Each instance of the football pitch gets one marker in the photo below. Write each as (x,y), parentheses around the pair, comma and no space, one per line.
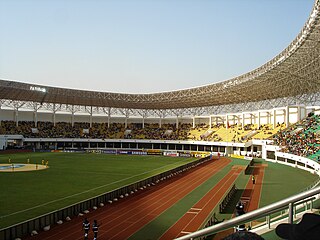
(70,178)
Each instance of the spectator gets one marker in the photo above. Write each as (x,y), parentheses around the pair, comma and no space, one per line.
(308,228)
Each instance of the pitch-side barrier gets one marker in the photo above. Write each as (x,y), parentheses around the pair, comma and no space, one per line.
(288,203)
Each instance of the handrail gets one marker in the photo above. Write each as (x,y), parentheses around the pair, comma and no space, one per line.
(258,213)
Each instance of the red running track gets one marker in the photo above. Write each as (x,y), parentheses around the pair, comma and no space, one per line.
(197,216)
(121,220)
(256,188)
(250,196)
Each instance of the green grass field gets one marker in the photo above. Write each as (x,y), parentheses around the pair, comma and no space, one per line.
(70,178)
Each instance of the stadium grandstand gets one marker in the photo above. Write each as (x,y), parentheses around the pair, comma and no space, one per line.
(271,112)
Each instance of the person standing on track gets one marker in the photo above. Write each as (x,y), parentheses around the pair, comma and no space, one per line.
(86,227)
(253,179)
(95,229)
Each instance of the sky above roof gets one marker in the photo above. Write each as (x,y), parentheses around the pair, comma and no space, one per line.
(140,46)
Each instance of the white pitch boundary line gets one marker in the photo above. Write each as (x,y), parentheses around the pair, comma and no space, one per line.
(77,194)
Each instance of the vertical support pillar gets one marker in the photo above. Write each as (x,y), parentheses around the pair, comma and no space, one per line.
(54,119)
(35,118)
(274,118)
(90,117)
(287,115)
(227,122)
(193,122)
(177,122)
(259,119)
(54,114)
(143,122)
(109,116)
(210,122)
(243,120)
(298,113)
(72,118)
(35,114)
(160,122)
(15,116)
(303,112)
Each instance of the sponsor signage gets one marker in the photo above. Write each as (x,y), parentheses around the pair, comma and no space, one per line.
(185,155)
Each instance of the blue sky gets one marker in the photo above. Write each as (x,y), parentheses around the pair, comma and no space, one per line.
(139,46)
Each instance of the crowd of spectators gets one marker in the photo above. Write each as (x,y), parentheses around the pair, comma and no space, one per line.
(167,131)
(302,138)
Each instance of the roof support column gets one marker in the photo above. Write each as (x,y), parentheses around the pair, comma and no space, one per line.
(144,115)
(54,118)
(35,118)
(286,115)
(177,122)
(210,122)
(227,121)
(54,110)
(193,122)
(15,116)
(36,107)
(268,117)
(274,118)
(303,112)
(126,113)
(109,116)
(72,119)
(108,112)
(259,119)
(243,120)
(90,119)
(16,106)
(73,111)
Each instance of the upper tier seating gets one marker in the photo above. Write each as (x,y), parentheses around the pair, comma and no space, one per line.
(302,138)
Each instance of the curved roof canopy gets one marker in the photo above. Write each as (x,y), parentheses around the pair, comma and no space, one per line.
(295,71)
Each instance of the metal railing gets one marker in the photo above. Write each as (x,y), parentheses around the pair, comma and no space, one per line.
(287,203)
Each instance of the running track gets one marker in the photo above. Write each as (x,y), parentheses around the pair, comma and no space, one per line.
(196,217)
(122,219)
(250,196)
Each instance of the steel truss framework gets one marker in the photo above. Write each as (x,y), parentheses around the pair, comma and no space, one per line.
(292,77)
(305,99)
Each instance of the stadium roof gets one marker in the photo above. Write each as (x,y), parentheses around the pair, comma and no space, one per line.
(295,71)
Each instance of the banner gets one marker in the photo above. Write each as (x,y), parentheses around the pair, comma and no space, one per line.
(171,154)
(185,155)
(154,152)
